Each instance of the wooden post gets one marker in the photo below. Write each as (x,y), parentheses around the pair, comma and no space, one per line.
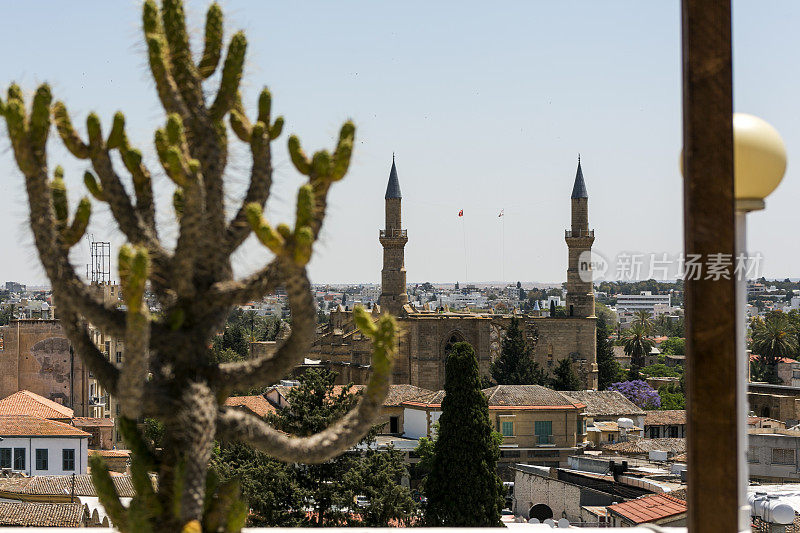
(708,214)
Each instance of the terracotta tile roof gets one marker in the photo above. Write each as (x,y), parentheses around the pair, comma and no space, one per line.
(644,446)
(649,508)
(665,418)
(754,357)
(33,426)
(60,485)
(680,458)
(258,405)
(27,403)
(605,403)
(502,397)
(86,422)
(406,393)
(529,396)
(27,514)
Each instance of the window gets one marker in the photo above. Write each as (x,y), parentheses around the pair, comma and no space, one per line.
(581,430)
(543,429)
(783,456)
(673,432)
(394,424)
(19,458)
(41,459)
(119,356)
(752,456)
(654,432)
(507,428)
(513,454)
(5,457)
(67,459)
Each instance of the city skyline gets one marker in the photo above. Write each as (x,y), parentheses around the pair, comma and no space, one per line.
(484,113)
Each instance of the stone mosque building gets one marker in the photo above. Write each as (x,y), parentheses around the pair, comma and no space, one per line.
(426,335)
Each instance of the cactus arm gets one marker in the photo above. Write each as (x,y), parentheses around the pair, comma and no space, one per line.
(74,232)
(213,42)
(342,435)
(240,124)
(253,287)
(140,175)
(231,77)
(184,71)
(191,232)
(157,55)
(67,132)
(39,122)
(257,192)
(134,269)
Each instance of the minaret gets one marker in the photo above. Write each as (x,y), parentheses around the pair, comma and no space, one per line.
(580,290)
(393,239)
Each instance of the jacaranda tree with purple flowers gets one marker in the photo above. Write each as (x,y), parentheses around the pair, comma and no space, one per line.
(639,392)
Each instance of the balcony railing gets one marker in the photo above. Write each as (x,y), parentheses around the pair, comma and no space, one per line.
(394,233)
(579,233)
(544,440)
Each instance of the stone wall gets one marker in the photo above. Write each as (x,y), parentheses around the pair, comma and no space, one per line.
(36,357)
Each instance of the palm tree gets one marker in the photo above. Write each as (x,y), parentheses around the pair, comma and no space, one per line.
(642,317)
(773,337)
(636,344)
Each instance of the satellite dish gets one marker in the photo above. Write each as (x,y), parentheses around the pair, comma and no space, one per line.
(534,521)
(563,523)
(550,522)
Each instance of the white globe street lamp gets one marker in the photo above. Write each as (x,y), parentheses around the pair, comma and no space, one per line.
(759,156)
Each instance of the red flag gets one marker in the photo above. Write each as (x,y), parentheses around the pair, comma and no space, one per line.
(461,213)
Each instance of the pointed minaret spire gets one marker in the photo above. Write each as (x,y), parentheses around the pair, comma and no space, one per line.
(579,189)
(393,188)
(393,238)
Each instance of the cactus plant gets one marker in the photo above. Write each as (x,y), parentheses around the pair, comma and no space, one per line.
(168,372)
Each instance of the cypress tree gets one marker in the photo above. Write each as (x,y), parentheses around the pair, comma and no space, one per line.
(463,488)
(608,370)
(565,378)
(515,366)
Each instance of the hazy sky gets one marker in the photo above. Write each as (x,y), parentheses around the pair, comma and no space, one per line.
(486,106)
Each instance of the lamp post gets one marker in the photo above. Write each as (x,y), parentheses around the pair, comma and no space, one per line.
(759,161)
(759,164)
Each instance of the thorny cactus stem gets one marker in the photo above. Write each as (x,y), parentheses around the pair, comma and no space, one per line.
(168,373)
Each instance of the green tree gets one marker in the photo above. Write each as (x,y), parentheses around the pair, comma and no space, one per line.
(377,476)
(463,488)
(515,366)
(643,318)
(672,397)
(608,369)
(637,346)
(267,485)
(564,377)
(773,337)
(673,346)
(328,489)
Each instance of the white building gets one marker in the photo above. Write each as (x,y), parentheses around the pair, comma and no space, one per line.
(40,447)
(644,300)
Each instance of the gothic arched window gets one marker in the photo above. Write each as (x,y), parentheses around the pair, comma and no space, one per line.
(454,338)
